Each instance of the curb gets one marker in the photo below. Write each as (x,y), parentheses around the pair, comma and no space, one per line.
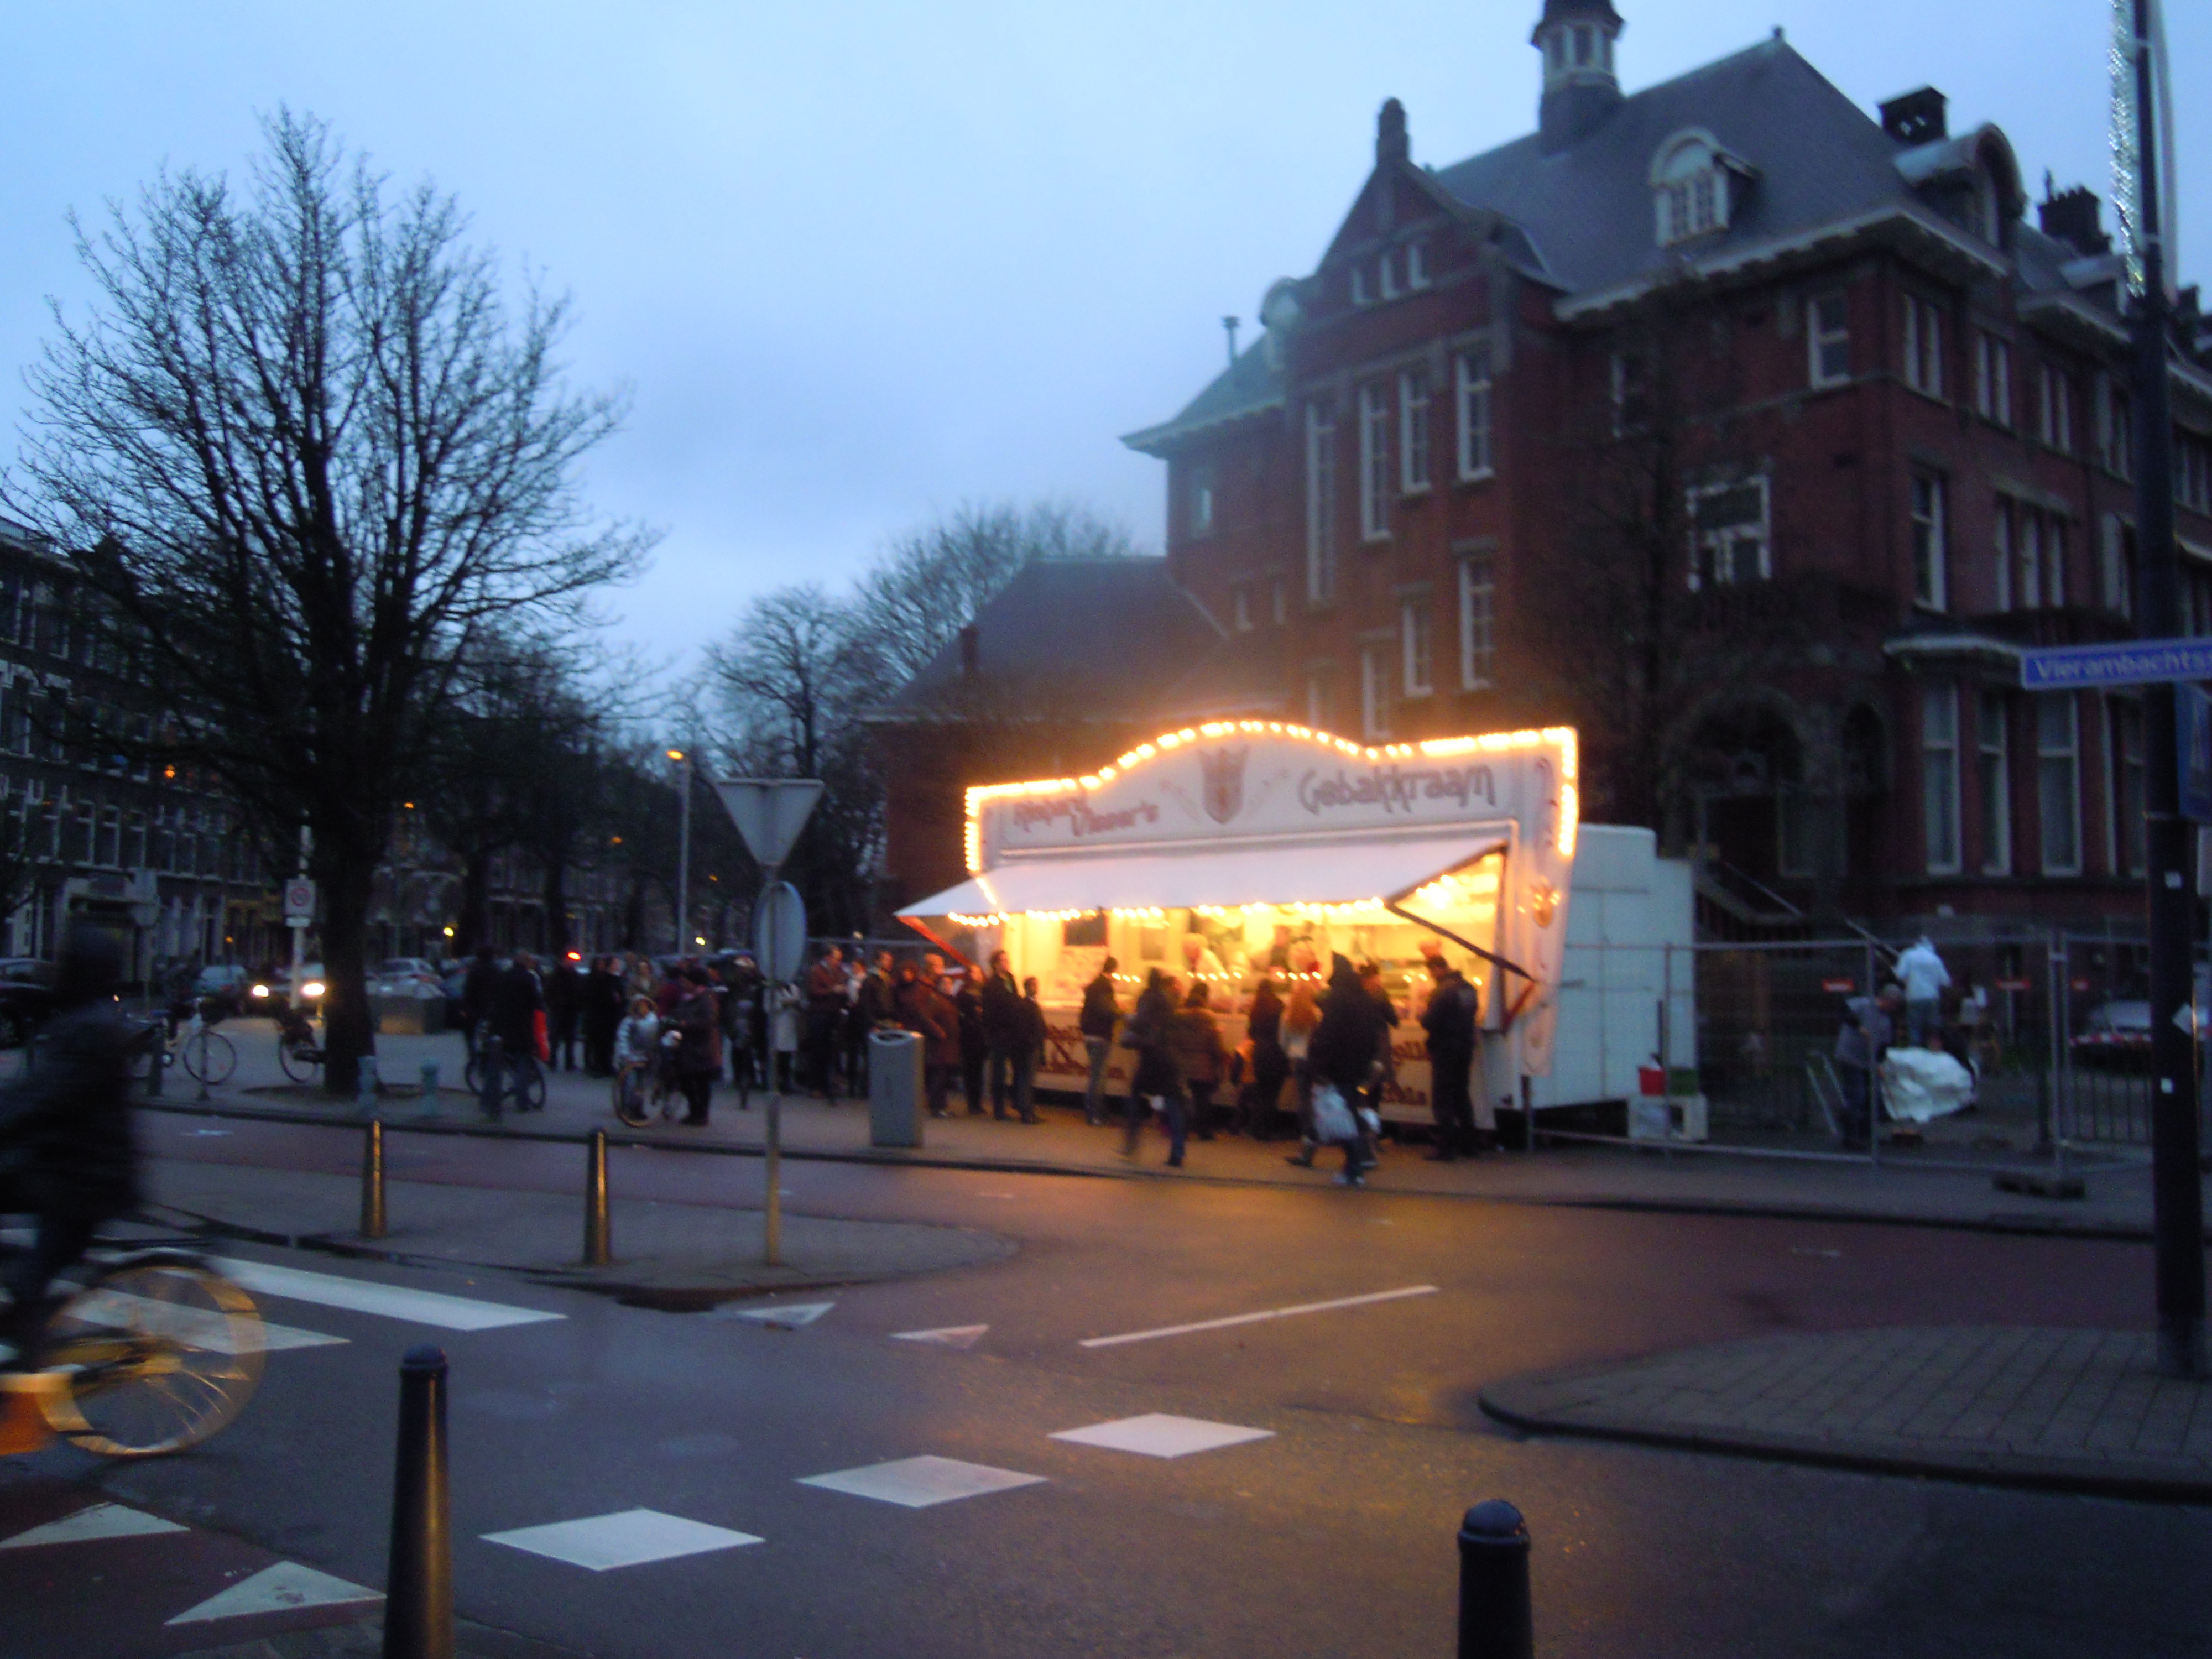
(2134,1483)
(2020,1226)
(665,1298)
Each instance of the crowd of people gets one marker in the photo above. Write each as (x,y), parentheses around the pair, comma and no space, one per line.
(675,1027)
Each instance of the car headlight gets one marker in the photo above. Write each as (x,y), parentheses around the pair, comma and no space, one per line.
(259,991)
(313,987)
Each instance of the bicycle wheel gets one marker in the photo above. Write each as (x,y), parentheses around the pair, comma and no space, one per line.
(299,1059)
(208,1057)
(163,1352)
(530,1096)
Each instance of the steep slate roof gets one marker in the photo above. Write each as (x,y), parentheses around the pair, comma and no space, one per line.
(1086,637)
(1588,208)
(1251,384)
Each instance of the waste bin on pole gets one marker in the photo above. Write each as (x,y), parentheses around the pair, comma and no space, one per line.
(894,1088)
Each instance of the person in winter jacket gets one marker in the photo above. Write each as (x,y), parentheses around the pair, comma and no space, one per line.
(1002,1021)
(1343,1053)
(1271,1063)
(1449,1021)
(1194,1036)
(974,1043)
(511,1020)
(1030,1034)
(924,1009)
(699,1059)
(1101,1015)
(1157,1080)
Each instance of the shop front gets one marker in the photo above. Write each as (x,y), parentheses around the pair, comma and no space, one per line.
(1235,849)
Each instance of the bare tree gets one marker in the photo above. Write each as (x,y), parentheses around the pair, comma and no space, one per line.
(307,454)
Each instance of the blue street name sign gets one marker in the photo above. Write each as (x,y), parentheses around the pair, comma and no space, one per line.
(2130,662)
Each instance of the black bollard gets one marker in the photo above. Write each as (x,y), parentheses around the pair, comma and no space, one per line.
(599,1244)
(1495,1621)
(418,1587)
(372,1181)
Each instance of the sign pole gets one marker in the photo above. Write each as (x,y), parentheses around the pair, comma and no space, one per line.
(2176,1190)
(772,1215)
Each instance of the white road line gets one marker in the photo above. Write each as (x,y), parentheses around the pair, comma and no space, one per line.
(1254,1318)
(451,1313)
(196,1328)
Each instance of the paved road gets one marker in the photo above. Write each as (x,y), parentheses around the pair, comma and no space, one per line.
(1330,1536)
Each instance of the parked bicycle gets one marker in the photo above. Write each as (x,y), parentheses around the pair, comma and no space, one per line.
(186,1036)
(144,1352)
(527,1092)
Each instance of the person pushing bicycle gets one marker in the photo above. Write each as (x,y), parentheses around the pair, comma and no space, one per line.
(67,1157)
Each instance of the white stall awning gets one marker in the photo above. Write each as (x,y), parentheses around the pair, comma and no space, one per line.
(1336,872)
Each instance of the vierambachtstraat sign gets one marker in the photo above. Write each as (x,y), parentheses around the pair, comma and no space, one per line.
(2128,662)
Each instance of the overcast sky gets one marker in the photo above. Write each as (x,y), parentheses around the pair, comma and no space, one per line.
(859,262)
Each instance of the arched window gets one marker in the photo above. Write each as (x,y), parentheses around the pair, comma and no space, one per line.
(1690,183)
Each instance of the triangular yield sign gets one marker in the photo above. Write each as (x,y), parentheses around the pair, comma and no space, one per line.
(100,1520)
(951,1336)
(281,1589)
(789,1317)
(769,812)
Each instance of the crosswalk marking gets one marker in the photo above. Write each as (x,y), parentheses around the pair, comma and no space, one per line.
(196,1328)
(1254,1318)
(917,1483)
(628,1539)
(1156,1434)
(948,1336)
(788,1316)
(87,1525)
(451,1313)
(283,1587)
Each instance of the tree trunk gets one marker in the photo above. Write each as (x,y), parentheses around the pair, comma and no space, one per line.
(472,927)
(349,1026)
(556,904)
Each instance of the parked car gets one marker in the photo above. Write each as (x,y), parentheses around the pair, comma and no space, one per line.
(227,985)
(405,977)
(2117,1033)
(24,1005)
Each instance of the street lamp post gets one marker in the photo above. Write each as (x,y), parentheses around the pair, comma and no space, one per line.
(683,759)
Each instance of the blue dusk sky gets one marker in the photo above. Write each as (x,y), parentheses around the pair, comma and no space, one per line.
(858,263)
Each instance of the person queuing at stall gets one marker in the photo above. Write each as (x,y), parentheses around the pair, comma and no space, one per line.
(1101,1014)
(1155,1081)
(1386,1049)
(922,1007)
(1029,1032)
(698,1059)
(601,1013)
(1001,1030)
(825,1001)
(1449,1020)
(1301,1015)
(1270,1062)
(974,1044)
(564,996)
(741,1029)
(1194,1040)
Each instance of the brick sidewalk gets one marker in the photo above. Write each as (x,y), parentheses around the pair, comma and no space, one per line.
(2066,1410)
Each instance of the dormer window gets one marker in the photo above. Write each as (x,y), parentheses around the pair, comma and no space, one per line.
(1690,182)
(1359,284)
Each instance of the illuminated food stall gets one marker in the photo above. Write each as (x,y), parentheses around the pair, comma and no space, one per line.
(1235,847)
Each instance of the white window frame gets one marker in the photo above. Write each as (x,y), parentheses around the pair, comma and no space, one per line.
(1690,191)
(1319,703)
(1993,377)
(1321,503)
(2057,758)
(1624,422)
(1939,778)
(1376,482)
(1386,268)
(1931,524)
(1478,624)
(1993,780)
(1414,431)
(1417,265)
(1417,637)
(1359,283)
(2055,409)
(2001,545)
(1201,498)
(1375,677)
(1474,403)
(1924,346)
(1723,542)
(1821,334)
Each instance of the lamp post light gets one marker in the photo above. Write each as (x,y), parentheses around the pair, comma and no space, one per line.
(683,759)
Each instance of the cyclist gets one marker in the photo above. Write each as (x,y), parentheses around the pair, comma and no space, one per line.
(66,1154)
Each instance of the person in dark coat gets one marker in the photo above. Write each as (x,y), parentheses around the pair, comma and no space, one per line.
(511,1024)
(600,1013)
(476,995)
(66,1155)
(1271,1063)
(745,1030)
(825,1004)
(1345,1046)
(925,1010)
(1194,1035)
(975,1045)
(1030,1034)
(1449,1021)
(564,997)
(1156,1080)
(1002,1023)
(1101,1015)
(699,1056)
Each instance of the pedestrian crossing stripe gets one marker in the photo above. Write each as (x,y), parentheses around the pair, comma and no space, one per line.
(284,1588)
(790,1317)
(87,1525)
(368,1296)
(949,1336)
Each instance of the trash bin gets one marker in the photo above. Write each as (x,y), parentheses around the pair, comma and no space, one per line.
(895,1098)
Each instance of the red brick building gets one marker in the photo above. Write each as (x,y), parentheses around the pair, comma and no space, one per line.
(1751,432)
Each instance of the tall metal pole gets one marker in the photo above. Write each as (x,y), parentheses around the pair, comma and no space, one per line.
(2177,1192)
(772,1163)
(300,934)
(683,756)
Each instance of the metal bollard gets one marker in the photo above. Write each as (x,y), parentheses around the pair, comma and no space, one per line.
(430,1082)
(372,1181)
(367,1078)
(1495,1620)
(599,1243)
(418,1605)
